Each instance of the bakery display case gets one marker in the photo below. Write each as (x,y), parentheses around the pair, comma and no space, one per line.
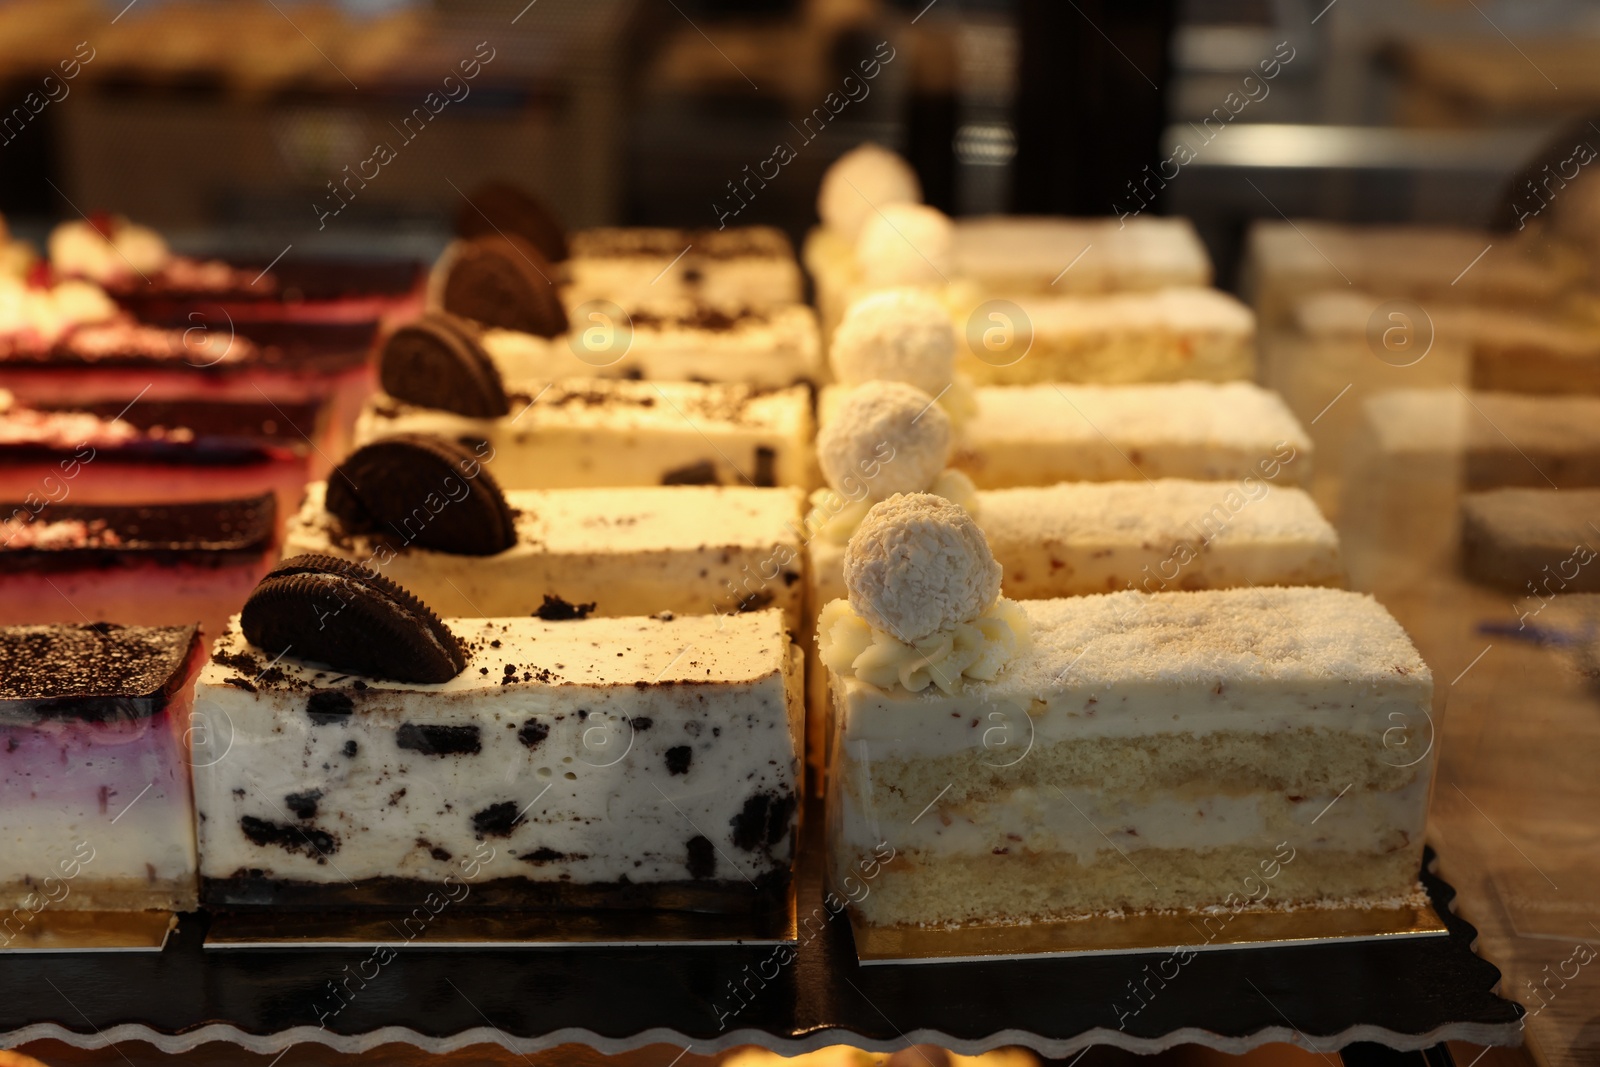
(846,532)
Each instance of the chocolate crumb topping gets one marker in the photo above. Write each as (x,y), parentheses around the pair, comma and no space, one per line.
(555,609)
(94,672)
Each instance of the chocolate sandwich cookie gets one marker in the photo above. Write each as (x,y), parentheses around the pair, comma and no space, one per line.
(500,207)
(437,362)
(348,616)
(425,491)
(504,281)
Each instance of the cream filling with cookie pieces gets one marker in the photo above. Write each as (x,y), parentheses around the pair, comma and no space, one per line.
(552,765)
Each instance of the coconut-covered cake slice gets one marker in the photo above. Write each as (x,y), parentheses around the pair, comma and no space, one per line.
(1052,759)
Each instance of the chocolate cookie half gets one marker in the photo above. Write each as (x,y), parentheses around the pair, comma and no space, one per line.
(500,207)
(504,281)
(437,362)
(424,491)
(350,617)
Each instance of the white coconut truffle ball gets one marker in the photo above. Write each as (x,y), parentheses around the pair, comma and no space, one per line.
(905,244)
(868,175)
(919,564)
(889,436)
(899,335)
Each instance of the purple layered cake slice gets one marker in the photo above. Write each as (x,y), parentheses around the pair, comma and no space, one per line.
(146,450)
(154,564)
(94,770)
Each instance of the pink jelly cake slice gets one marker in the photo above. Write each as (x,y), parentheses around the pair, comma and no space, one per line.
(94,771)
(146,451)
(151,564)
(210,358)
(134,265)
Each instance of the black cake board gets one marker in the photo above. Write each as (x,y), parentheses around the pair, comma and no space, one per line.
(1405,993)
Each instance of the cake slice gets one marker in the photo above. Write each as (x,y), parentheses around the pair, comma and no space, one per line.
(578,432)
(688,550)
(135,265)
(750,265)
(94,775)
(1044,434)
(1114,339)
(670,340)
(611,763)
(151,564)
(143,451)
(1056,759)
(1532,541)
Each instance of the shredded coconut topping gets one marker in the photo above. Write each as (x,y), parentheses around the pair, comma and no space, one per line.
(906,244)
(919,564)
(885,438)
(867,177)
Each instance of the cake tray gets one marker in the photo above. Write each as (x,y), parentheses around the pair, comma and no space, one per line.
(1404,992)
(1172,933)
(93,931)
(446,929)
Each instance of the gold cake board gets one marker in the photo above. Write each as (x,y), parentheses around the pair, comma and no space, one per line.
(92,931)
(531,929)
(1172,932)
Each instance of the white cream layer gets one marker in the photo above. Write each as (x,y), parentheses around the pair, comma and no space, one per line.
(1090,824)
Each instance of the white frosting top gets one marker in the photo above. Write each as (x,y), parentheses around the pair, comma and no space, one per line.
(899,335)
(906,244)
(888,437)
(45,314)
(918,565)
(79,249)
(866,177)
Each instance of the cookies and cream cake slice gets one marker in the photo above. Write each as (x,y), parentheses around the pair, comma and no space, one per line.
(431,517)
(577,432)
(377,751)
(94,769)
(753,266)
(1053,759)
(669,340)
